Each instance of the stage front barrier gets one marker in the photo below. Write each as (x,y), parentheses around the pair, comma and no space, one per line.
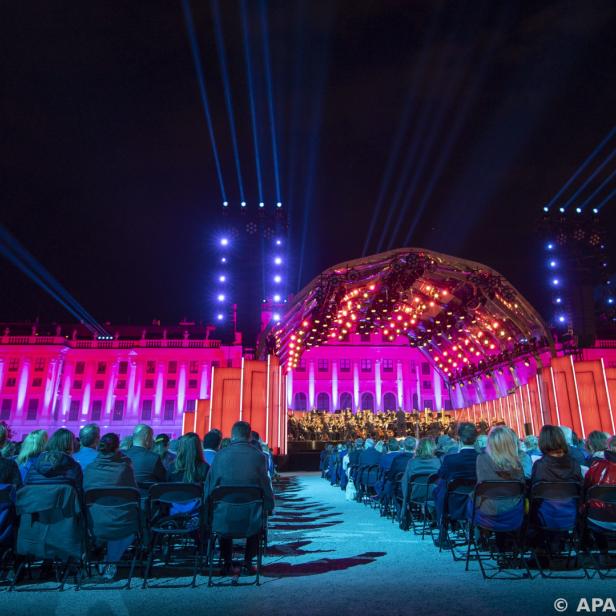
(578,394)
(254,393)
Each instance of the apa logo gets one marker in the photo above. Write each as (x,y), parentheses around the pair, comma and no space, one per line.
(597,604)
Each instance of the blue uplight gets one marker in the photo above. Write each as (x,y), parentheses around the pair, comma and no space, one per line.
(223,260)
(550,246)
(546,208)
(595,210)
(276,317)
(222,278)
(221,297)
(277,297)
(278,242)
(277,278)
(225,204)
(555,282)
(610,300)
(561,319)
(224,241)
(578,210)
(261,204)
(278,261)
(219,316)
(559,300)
(279,204)
(561,210)
(553,264)
(243,203)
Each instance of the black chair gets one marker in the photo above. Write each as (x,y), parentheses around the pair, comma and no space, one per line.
(419,489)
(391,497)
(175,518)
(554,525)
(51,530)
(451,527)
(8,529)
(113,514)
(600,529)
(368,476)
(496,524)
(236,512)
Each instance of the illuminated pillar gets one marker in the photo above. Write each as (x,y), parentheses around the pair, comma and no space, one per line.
(158,396)
(480,389)
(203,381)
(2,362)
(311,384)
(23,379)
(400,384)
(182,387)
(290,388)
(418,387)
(356,385)
(438,396)
(137,390)
(130,399)
(66,390)
(110,389)
(378,385)
(50,387)
(334,404)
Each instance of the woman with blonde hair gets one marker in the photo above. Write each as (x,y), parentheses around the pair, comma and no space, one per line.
(501,460)
(33,445)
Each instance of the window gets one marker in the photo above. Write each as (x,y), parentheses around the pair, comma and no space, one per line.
(171,383)
(118,410)
(146,410)
(427,385)
(150,367)
(101,367)
(11,381)
(322,365)
(345,365)
(172,367)
(169,410)
(123,369)
(99,384)
(73,411)
(80,367)
(5,409)
(301,367)
(13,364)
(192,383)
(388,365)
(300,401)
(428,404)
(367,402)
(425,367)
(191,405)
(389,402)
(39,364)
(366,366)
(121,384)
(77,385)
(346,400)
(193,367)
(447,405)
(364,337)
(32,409)
(97,408)
(149,383)
(37,382)
(323,402)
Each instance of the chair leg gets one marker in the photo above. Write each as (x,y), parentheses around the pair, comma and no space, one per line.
(259,560)
(210,557)
(471,539)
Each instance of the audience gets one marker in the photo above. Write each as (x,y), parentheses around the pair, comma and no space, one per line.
(89,437)
(425,463)
(147,465)
(556,464)
(596,444)
(211,444)
(31,448)
(573,450)
(189,465)
(602,472)
(161,448)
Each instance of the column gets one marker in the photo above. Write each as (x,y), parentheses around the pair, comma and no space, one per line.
(311,384)
(50,384)
(23,378)
(158,396)
(436,384)
(334,404)
(203,381)
(290,388)
(137,390)
(400,384)
(88,377)
(356,385)
(378,386)
(67,379)
(181,388)
(418,387)
(130,396)
(109,391)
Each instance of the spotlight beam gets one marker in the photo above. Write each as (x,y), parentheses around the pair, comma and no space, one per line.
(589,179)
(581,168)
(608,198)
(222,58)
(26,263)
(251,95)
(598,190)
(270,97)
(196,54)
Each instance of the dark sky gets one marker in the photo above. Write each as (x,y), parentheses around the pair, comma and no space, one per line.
(107,169)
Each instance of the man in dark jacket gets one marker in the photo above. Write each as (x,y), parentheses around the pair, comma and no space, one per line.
(9,472)
(147,465)
(240,464)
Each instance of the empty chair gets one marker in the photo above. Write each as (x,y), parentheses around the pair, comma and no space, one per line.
(600,526)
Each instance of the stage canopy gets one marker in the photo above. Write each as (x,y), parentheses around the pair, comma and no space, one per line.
(464,316)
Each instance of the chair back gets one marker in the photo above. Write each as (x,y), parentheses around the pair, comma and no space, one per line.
(236,511)
(174,500)
(498,505)
(112,513)
(8,517)
(554,504)
(419,485)
(601,508)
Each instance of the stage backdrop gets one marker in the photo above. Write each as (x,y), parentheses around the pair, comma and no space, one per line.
(254,393)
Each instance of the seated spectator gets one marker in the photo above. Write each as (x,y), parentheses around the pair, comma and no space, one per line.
(573,450)
(602,472)
(147,465)
(557,464)
(500,460)
(424,462)
(461,465)
(190,465)
(224,443)
(31,449)
(445,444)
(126,443)
(400,462)
(525,459)
(55,464)
(111,469)
(9,472)
(481,443)
(212,442)
(393,448)
(531,444)
(380,447)
(89,437)
(240,464)
(161,448)
(255,439)
(596,444)
(369,455)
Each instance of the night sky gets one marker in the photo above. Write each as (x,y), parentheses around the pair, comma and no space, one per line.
(108,177)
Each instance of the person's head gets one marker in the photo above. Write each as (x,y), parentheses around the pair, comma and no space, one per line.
(597,441)
(369,443)
(467,433)
(240,431)
(161,444)
(380,446)
(502,447)
(425,448)
(481,442)
(89,436)
(32,446)
(126,443)
(109,443)
(174,443)
(143,436)
(410,442)
(212,440)
(552,441)
(4,434)
(568,434)
(255,437)
(62,440)
(359,443)
(531,442)
(611,445)
(393,445)
(190,456)
(225,442)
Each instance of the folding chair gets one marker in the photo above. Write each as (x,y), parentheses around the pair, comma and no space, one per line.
(369,475)
(497,513)
(236,512)
(554,522)
(175,517)
(600,527)
(452,524)
(113,515)
(8,527)
(419,489)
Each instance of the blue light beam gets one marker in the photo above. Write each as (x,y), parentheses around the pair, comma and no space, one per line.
(598,190)
(589,179)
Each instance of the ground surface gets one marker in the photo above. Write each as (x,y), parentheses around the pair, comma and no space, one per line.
(329,556)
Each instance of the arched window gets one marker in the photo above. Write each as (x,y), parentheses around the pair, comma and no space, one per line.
(367,402)
(389,402)
(322,402)
(346,401)
(300,401)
